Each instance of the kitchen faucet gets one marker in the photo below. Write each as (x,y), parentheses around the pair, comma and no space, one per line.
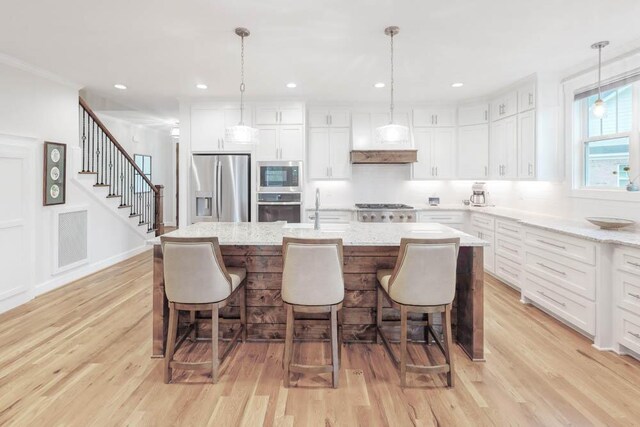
(316,224)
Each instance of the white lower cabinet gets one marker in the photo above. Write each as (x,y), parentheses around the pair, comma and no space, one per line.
(453,219)
(509,252)
(482,226)
(626,297)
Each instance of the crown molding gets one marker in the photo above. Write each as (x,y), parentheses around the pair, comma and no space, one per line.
(37,71)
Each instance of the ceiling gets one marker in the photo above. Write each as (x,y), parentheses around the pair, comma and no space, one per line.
(335,50)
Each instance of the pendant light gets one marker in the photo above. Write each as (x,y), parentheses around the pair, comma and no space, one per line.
(599,108)
(392,133)
(241,134)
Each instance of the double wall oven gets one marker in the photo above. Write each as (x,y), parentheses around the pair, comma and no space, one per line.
(280,191)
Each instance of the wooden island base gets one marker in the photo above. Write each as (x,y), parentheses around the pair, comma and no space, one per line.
(266,315)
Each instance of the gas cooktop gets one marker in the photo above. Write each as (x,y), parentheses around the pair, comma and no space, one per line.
(383,206)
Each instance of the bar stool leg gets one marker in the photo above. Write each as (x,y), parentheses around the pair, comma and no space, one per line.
(288,344)
(243,312)
(379,316)
(194,325)
(403,346)
(448,343)
(426,330)
(171,342)
(340,337)
(334,346)
(215,361)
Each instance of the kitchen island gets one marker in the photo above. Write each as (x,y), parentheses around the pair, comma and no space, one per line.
(367,248)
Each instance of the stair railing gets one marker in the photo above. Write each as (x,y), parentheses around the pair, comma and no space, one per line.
(104,157)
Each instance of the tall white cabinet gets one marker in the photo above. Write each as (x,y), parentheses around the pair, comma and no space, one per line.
(473,142)
(208,127)
(434,136)
(329,144)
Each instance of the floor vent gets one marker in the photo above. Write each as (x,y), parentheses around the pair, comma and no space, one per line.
(72,238)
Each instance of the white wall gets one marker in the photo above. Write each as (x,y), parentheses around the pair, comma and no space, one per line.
(34,109)
(153,142)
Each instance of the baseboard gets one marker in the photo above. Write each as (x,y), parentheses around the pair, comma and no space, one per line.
(87,269)
(15,301)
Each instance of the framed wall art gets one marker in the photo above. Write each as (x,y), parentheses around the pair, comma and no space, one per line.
(55,173)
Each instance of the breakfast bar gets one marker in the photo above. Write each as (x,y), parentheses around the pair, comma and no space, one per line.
(367,248)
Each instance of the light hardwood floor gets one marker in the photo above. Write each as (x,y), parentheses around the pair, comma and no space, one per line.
(81,356)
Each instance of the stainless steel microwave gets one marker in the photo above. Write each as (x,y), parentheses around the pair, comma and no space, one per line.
(280,177)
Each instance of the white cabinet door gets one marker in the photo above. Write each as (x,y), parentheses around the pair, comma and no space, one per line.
(364,127)
(527,144)
(267,115)
(267,146)
(318,153)
(291,114)
(232,118)
(340,153)
(473,152)
(527,97)
(473,114)
(504,106)
(443,153)
(361,130)
(503,146)
(291,142)
(423,138)
(339,118)
(318,118)
(434,117)
(207,130)
(496,143)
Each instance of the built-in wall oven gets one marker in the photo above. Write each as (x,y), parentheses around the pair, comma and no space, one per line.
(280,191)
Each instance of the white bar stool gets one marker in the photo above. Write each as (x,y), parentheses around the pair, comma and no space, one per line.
(312,282)
(423,281)
(196,279)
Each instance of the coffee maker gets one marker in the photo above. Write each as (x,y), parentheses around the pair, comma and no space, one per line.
(479,194)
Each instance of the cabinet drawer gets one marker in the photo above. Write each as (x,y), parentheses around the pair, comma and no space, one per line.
(509,248)
(509,228)
(627,291)
(578,311)
(627,259)
(564,273)
(442,217)
(570,247)
(508,270)
(331,216)
(628,327)
(482,221)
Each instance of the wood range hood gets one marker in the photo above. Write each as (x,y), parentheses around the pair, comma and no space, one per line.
(378,157)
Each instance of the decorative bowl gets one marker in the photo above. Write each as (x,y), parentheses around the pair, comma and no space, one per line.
(606,223)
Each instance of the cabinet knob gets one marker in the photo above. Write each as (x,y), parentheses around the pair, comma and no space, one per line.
(409,216)
(373,216)
(365,216)
(401,216)
(390,216)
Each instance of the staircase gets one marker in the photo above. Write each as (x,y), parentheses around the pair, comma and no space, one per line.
(117,175)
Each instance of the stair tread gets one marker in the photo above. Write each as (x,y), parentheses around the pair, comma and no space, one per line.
(134,215)
(151,230)
(143,223)
(87,173)
(124,206)
(100,185)
(113,196)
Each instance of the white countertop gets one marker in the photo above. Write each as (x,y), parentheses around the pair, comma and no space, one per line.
(352,234)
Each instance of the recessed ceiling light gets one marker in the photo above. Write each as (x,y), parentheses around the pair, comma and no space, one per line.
(379,85)
(292,85)
(120,86)
(201,86)
(457,85)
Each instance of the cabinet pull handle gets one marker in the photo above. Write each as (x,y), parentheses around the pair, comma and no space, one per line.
(486,172)
(551,299)
(635,264)
(634,334)
(441,217)
(436,166)
(530,169)
(530,99)
(513,230)
(634,295)
(551,269)
(552,244)
(326,120)
(510,250)
(330,119)
(486,114)
(436,119)
(330,170)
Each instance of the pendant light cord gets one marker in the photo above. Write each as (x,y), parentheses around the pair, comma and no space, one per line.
(242,80)
(392,106)
(599,72)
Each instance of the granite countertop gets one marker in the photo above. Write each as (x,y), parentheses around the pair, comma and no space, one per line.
(572,227)
(352,234)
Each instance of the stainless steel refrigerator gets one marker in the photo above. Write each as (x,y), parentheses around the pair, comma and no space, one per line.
(221,188)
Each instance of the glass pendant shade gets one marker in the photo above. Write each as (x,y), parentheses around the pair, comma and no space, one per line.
(599,109)
(241,134)
(392,134)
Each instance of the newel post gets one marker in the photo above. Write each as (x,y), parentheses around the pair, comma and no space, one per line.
(159,208)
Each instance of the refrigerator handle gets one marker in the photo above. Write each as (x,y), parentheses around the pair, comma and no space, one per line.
(218,190)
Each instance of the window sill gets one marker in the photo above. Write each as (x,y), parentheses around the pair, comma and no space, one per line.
(608,194)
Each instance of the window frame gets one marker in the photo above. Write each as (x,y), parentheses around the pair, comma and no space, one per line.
(138,187)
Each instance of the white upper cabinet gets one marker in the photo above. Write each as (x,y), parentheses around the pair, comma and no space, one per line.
(505,105)
(527,144)
(434,117)
(329,153)
(469,115)
(280,142)
(364,124)
(333,117)
(473,152)
(280,114)
(436,153)
(503,149)
(208,128)
(527,97)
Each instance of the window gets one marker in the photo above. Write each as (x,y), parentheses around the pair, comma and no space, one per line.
(144,163)
(607,142)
